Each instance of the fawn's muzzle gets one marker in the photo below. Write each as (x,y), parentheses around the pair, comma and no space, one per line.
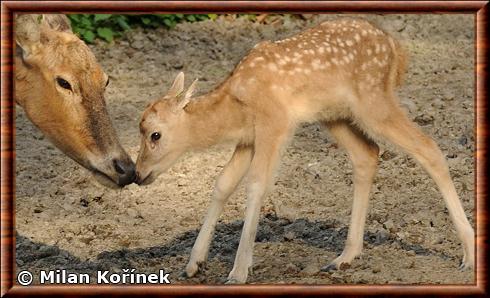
(144,180)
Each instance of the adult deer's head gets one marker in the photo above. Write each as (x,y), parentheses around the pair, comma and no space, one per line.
(61,87)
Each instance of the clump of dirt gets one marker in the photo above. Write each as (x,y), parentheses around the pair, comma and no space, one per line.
(65,220)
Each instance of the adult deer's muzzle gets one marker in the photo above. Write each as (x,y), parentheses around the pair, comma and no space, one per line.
(126,171)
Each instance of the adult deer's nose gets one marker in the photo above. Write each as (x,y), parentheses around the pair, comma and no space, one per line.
(125,170)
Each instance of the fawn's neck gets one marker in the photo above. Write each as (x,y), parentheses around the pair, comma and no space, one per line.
(215,118)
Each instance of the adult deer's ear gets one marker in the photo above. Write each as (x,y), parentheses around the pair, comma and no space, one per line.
(28,33)
(187,96)
(32,30)
(177,86)
(58,22)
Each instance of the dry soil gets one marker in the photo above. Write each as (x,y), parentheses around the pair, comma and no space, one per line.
(65,220)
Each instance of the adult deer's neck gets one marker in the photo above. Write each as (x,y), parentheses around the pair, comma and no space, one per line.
(215,118)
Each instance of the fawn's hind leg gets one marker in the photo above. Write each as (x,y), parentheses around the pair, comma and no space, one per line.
(226,183)
(395,127)
(363,154)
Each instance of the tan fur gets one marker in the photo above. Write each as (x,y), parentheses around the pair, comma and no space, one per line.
(75,120)
(342,73)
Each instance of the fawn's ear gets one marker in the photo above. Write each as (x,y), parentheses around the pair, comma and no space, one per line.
(191,89)
(184,100)
(177,87)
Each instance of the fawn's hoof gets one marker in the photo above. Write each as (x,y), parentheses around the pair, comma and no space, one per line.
(467,263)
(232,281)
(329,268)
(465,266)
(193,269)
(334,266)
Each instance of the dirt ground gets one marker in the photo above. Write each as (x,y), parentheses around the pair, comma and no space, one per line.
(65,220)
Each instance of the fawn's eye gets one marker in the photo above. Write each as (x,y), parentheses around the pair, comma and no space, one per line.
(155,136)
(107,83)
(63,83)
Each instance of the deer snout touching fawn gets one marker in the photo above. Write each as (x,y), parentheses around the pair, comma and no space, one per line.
(342,73)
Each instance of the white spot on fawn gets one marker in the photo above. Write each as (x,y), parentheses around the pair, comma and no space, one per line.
(272,66)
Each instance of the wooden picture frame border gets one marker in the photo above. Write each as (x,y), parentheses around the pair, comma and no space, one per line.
(9,8)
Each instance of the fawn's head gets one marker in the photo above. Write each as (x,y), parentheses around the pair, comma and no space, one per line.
(61,87)
(163,132)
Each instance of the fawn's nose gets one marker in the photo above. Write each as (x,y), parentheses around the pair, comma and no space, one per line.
(125,170)
(137,180)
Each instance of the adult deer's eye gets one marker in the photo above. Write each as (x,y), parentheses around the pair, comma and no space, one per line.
(63,83)
(155,136)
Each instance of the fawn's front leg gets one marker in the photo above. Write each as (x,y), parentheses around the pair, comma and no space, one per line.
(226,183)
(268,144)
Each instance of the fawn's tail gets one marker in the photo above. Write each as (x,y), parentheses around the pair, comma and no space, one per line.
(398,70)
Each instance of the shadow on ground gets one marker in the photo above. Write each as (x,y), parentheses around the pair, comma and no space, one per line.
(34,256)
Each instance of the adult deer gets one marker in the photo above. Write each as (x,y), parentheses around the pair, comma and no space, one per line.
(60,86)
(342,73)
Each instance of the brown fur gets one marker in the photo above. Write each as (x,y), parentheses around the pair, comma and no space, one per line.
(341,73)
(75,120)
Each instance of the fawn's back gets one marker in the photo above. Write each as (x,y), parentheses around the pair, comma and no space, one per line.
(321,73)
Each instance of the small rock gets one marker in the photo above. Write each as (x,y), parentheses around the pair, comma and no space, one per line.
(68,206)
(437,240)
(311,269)
(463,140)
(398,25)
(283,211)
(344,266)
(388,225)
(132,213)
(124,242)
(381,237)
(447,95)
(177,63)
(84,202)
(289,235)
(137,44)
(307,16)
(376,269)
(410,265)
(291,268)
(46,251)
(86,239)
(424,120)
(387,155)
(38,210)
(452,155)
